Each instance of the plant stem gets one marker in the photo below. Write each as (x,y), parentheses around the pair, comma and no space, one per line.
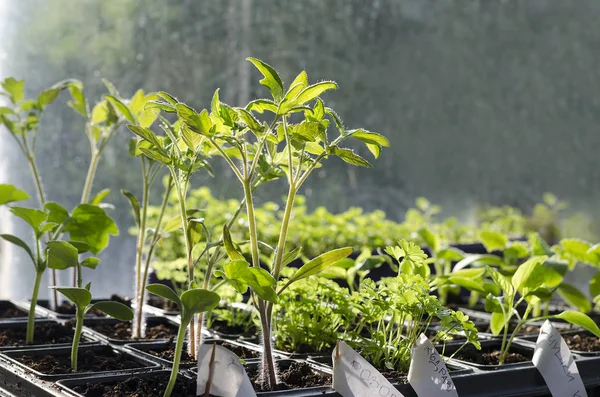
(506,348)
(139,292)
(76,337)
(177,358)
(89,179)
(31,315)
(252,223)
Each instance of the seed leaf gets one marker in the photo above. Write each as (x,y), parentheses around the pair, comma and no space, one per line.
(113,309)
(164,292)
(20,243)
(81,297)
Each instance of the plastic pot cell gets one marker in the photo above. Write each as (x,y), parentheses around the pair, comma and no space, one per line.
(119,332)
(66,310)
(48,333)
(54,363)
(580,342)
(11,310)
(486,359)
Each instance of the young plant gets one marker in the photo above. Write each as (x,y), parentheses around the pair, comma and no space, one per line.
(62,254)
(190,302)
(535,279)
(22,120)
(88,226)
(254,150)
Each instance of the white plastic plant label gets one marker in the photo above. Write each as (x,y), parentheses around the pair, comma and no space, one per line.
(553,359)
(353,376)
(223,371)
(428,374)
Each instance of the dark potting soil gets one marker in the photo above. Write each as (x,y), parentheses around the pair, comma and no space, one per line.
(490,356)
(583,342)
(122,330)
(163,304)
(169,353)
(137,387)
(44,333)
(224,328)
(88,361)
(9,310)
(297,375)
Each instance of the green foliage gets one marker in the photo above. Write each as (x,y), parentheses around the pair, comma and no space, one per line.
(9,193)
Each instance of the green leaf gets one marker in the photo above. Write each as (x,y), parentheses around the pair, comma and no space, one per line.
(595,285)
(78,102)
(497,323)
(155,155)
(197,300)
(233,254)
(369,137)
(168,97)
(122,108)
(91,262)
(20,243)
(271,79)
(576,248)
(113,309)
(135,206)
(292,255)
(90,224)
(450,254)
(56,213)
(9,193)
(32,216)
(501,281)
(62,255)
(492,240)
(81,247)
(164,292)
(319,263)
(522,279)
(258,279)
(262,105)
(349,156)
(308,131)
(14,89)
(468,283)
(250,120)
(430,239)
(309,93)
(146,134)
(160,106)
(538,245)
(581,320)
(97,200)
(81,297)
(574,297)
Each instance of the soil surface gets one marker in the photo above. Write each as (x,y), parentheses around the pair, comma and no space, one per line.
(224,328)
(88,361)
(44,333)
(169,353)
(491,356)
(163,304)
(151,386)
(9,310)
(297,375)
(583,342)
(122,330)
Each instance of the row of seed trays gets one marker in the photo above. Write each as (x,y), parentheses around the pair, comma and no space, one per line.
(420,317)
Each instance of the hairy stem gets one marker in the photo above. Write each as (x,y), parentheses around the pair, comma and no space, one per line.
(141,238)
(177,358)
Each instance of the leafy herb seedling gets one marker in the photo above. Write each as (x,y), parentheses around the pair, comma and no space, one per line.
(61,254)
(535,279)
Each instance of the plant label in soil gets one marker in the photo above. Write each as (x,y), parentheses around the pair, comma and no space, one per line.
(223,371)
(353,376)
(428,374)
(553,359)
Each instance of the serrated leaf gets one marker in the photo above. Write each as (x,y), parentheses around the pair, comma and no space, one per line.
(145,133)
(308,94)
(497,323)
(308,132)
(524,276)
(258,279)
(20,243)
(9,194)
(369,137)
(261,105)
(164,292)
(271,79)
(56,213)
(81,297)
(97,200)
(90,224)
(574,297)
(113,309)
(32,216)
(14,88)
(349,157)
(501,281)
(155,155)
(250,121)
(122,108)
(135,206)
(163,106)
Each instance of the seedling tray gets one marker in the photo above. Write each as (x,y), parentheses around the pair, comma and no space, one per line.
(150,321)
(85,339)
(66,351)
(20,306)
